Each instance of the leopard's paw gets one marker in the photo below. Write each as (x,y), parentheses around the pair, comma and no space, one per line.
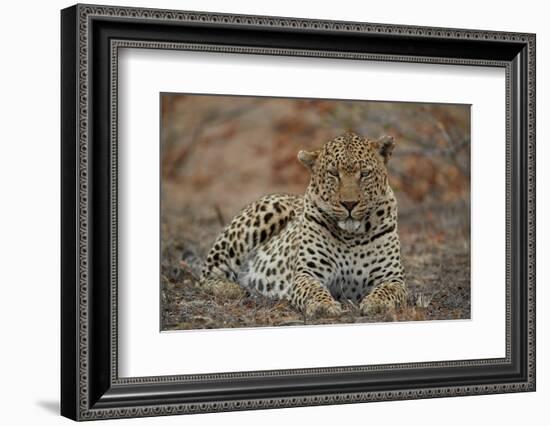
(373,305)
(223,289)
(387,296)
(323,308)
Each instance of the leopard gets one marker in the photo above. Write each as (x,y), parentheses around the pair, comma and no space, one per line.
(338,242)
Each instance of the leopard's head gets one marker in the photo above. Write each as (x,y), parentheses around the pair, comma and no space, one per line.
(348,177)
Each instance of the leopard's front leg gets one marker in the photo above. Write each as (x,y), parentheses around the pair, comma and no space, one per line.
(389,294)
(310,297)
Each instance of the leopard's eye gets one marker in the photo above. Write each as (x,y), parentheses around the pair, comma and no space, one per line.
(365,173)
(333,172)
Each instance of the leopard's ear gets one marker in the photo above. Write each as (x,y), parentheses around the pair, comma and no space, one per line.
(385,147)
(308,158)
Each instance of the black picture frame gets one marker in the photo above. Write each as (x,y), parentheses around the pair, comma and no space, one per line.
(90,38)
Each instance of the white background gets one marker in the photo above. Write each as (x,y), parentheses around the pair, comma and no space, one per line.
(29,225)
(146,352)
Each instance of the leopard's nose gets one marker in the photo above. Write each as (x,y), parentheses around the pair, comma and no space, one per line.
(349,205)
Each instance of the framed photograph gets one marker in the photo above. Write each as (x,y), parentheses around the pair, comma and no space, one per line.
(263,212)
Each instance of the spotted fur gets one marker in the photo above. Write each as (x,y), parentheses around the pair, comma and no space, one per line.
(339,241)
